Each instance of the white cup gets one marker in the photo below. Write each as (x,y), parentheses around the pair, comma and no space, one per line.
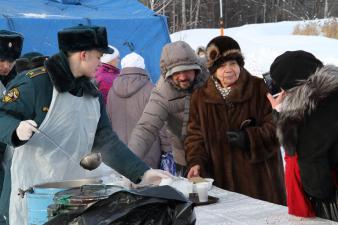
(202,191)
(187,188)
(184,186)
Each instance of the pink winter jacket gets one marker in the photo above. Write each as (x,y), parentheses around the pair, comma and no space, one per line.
(104,77)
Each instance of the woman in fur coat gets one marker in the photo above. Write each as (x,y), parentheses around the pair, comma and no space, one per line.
(307,128)
(230,134)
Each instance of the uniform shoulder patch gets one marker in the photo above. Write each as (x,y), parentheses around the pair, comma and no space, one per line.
(35,72)
(11,96)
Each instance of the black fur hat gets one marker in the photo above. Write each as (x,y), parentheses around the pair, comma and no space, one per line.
(10,45)
(82,37)
(292,66)
(222,49)
(30,61)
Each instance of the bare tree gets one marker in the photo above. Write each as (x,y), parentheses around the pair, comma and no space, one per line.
(183,14)
(187,14)
(197,13)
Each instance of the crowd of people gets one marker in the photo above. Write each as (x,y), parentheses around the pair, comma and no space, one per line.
(206,109)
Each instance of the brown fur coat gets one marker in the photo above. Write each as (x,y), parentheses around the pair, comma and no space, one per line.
(256,172)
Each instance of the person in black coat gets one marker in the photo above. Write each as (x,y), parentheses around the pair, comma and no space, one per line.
(307,124)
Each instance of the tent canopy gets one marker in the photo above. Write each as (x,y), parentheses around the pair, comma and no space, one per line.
(130,25)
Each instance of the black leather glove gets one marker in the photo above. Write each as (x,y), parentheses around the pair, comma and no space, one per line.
(239,139)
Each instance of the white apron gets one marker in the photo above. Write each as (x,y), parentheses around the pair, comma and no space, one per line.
(71,122)
(2,90)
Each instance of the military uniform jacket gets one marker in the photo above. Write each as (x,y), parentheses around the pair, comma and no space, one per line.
(29,96)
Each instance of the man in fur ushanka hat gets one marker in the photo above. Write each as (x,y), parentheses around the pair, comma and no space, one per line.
(59,100)
(230,134)
(10,49)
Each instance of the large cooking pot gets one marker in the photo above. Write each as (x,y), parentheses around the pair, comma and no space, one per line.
(79,198)
(40,196)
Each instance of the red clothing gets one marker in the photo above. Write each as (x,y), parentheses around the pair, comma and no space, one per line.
(104,77)
(297,202)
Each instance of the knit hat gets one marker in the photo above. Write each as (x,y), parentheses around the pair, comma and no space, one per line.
(10,45)
(29,61)
(222,49)
(292,66)
(82,37)
(133,60)
(106,58)
(176,57)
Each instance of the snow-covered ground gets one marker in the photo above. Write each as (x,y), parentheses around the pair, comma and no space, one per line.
(262,43)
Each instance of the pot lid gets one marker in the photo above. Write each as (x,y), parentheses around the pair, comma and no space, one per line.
(84,195)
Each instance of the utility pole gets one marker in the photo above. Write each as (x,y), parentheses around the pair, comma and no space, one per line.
(221,24)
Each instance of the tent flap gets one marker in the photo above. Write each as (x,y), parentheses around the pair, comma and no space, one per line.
(130,25)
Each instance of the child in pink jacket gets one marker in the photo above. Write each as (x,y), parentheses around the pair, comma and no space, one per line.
(107,72)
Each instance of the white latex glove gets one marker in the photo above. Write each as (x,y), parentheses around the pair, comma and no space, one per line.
(25,129)
(154,177)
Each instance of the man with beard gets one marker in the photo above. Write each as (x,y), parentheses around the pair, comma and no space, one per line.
(10,50)
(181,73)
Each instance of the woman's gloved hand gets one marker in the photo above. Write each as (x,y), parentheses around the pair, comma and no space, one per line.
(25,129)
(238,139)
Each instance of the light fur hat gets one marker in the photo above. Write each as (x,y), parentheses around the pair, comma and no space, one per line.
(106,58)
(133,60)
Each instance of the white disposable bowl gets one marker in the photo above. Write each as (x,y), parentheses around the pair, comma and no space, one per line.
(209,181)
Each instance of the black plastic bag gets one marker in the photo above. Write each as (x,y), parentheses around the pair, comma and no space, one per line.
(148,206)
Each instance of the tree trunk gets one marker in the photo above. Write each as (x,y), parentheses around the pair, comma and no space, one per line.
(326,9)
(184,18)
(173,15)
(197,13)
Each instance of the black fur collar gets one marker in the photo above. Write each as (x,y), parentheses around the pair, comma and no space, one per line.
(301,101)
(10,76)
(63,79)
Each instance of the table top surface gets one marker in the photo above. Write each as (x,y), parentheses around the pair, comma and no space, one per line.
(237,209)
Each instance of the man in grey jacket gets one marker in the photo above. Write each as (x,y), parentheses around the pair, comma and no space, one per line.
(181,73)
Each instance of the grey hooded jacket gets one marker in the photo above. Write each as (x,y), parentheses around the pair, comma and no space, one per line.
(167,104)
(126,100)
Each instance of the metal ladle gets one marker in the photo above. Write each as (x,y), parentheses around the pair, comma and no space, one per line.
(90,161)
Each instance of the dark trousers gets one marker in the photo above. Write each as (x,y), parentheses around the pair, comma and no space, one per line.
(5,176)
(326,209)
(181,171)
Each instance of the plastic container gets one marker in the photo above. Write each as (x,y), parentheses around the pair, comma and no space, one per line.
(209,181)
(42,196)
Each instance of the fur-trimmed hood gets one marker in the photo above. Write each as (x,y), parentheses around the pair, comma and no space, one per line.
(302,101)
(63,79)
